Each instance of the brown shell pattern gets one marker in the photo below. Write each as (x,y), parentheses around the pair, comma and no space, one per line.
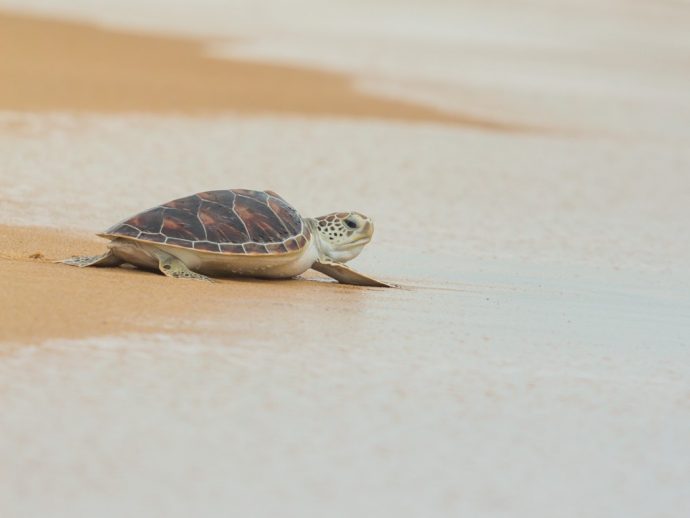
(234,221)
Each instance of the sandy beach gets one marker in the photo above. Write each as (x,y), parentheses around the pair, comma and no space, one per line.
(528,176)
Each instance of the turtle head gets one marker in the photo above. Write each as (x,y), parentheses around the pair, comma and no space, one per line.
(342,235)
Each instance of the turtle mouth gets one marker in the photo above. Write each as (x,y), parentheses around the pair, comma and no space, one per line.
(358,242)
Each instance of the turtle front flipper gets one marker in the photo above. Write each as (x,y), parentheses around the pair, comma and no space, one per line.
(106,259)
(174,267)
(346,275)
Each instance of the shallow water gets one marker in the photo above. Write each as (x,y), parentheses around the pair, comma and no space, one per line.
(417,401)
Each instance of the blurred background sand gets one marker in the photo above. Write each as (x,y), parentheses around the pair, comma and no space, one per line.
(527,167)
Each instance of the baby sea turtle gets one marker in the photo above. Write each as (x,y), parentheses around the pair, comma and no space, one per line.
(237,232)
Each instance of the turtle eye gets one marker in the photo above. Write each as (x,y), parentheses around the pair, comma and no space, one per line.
(350,223)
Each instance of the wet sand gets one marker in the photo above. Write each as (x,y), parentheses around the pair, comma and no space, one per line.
(62,65)
(46,301)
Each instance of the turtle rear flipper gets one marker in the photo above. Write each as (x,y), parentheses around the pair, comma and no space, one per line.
(106,259)
(171,266)
(346,275)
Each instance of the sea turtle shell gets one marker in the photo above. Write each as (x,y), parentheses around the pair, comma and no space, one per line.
(236,221)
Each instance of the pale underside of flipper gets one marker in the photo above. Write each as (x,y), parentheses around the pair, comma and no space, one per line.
(346,275)
(171,266)
(106,259)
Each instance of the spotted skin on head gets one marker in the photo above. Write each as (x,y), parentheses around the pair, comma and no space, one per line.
(341,228)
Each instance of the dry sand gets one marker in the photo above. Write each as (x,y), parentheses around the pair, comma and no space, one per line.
(43,300)
(535,362)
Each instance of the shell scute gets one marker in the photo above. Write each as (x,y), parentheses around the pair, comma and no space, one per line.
(274,194)
(155,237)
(190,204)
(258,195)
(263,225)
(301,241)
(231,248)
(255,248)
(276,248)
(222,224)
(208,247)
(128,231)
(288,216)
(221,197)
(179,242)
(291,244)
(236,221)
(149,221)
(180,224)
